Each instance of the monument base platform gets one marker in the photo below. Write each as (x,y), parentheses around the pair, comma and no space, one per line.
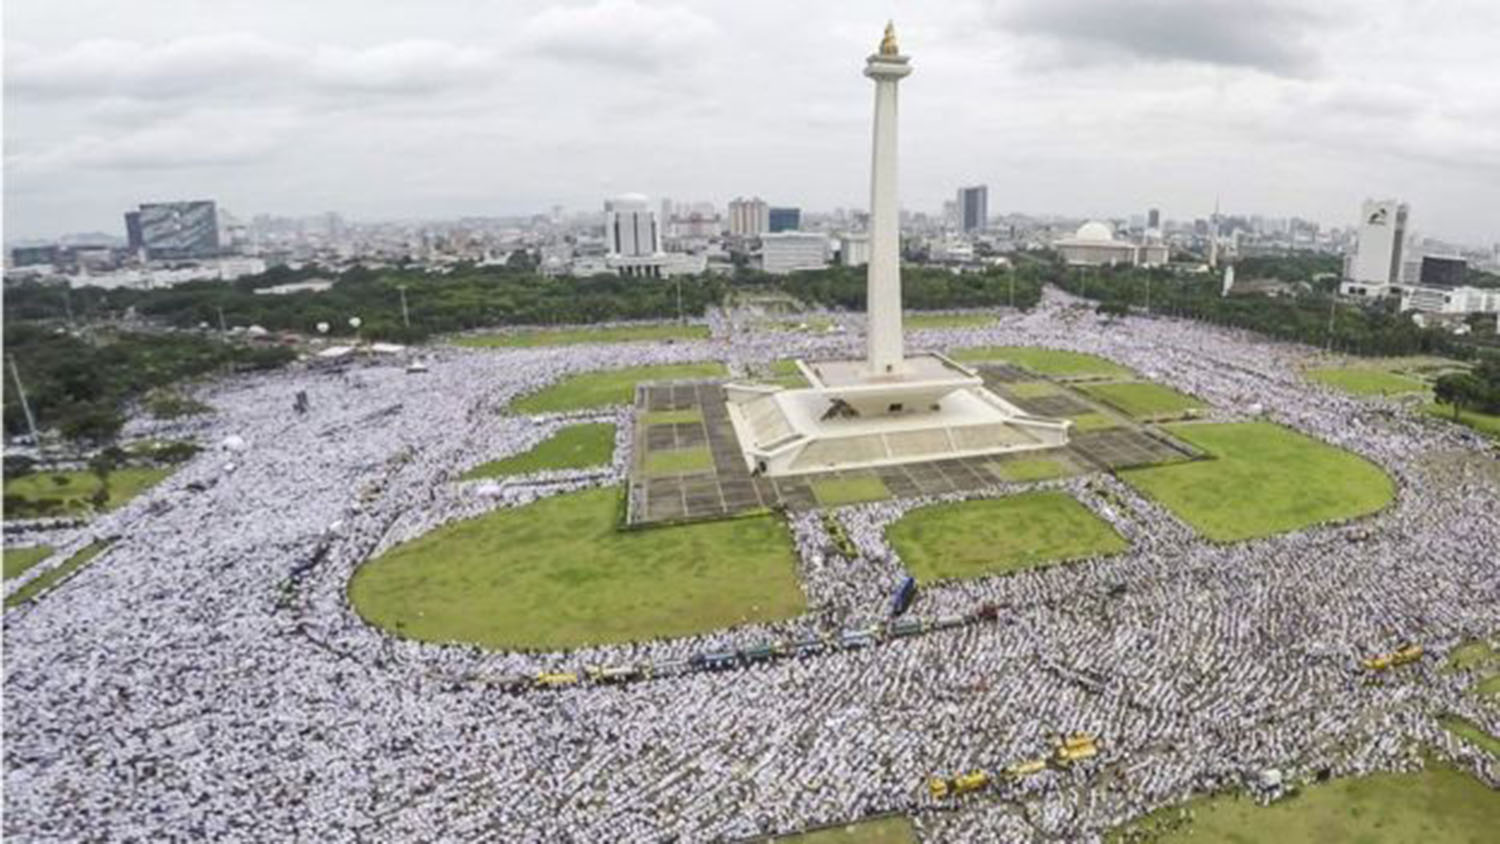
(818,429)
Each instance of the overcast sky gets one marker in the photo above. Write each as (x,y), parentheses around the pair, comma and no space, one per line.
(442,108)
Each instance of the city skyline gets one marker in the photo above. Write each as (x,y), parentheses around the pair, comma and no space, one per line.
(510,108)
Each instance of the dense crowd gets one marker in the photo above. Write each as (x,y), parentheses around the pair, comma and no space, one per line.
(207,677)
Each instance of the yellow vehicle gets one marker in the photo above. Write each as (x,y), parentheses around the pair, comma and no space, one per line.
(959,785)
(560,678)
(1026,769)
(938,787)
(1076,748)
(1403,655)
(1406,653)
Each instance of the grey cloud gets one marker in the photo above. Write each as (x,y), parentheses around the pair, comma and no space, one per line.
(1267,35)
(622,34)
(237,63)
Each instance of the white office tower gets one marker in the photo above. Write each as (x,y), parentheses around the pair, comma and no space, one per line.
(749,217)
(888,408)
(787,252)
(1382,230)
(1228,280)
(630,228)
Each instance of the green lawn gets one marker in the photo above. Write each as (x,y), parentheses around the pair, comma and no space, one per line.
(1484,423)
(1471,733)
(1488,687)
(677,461)
(18,560)
(608,387)
(1031,469)
(1083,423)
(72,496)
(1471,655)
(1265,480)
(572,447)
(1032,389)
(584,334)
(916,320)
(999,535)
(44,581)
(835,492)
(883,831)
(1142,399)
(559,574)
(1439,805)
(1366,381)
(1045,361)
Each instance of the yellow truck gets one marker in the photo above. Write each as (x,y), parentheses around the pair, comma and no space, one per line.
(959,785)
(1403,655)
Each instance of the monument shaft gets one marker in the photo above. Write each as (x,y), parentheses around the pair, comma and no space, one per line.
(883,282)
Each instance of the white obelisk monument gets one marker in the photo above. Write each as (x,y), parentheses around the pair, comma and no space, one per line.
(889,407)
(883,282)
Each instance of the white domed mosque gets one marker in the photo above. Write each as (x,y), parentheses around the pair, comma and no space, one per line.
(1094,245)
(889,407)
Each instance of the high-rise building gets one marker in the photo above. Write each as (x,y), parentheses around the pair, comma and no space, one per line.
(133,239)
(973,208)
(749,217)
(1153,218)
(1382,230)
(630,228)
(783,219)
(179,230)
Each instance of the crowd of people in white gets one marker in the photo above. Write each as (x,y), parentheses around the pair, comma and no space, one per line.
(207,677)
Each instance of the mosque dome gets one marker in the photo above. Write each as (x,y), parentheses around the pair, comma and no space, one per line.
(1095,230)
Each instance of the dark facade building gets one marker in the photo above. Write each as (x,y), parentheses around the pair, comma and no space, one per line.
(1153,218)
(784,219)
(1443,272)
(180,230)
(973,208)
(133,240)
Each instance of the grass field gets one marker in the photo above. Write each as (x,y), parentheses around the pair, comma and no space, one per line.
(1142,399)
(558,574)
(999,535)
(572,447)
(835,492)
(916,320)
(1083,423)
(18,560)
(1471,733)
(1366,381)
(1031,469)
(1484,423)
(1265,480)
(883,831)
(1439,805)
(607,387)
(1032,389)
(584,334)
(44,581)
(1045,361)
(73,495)
(677,461)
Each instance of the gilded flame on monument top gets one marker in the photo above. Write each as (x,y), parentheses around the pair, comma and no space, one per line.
(888,43)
